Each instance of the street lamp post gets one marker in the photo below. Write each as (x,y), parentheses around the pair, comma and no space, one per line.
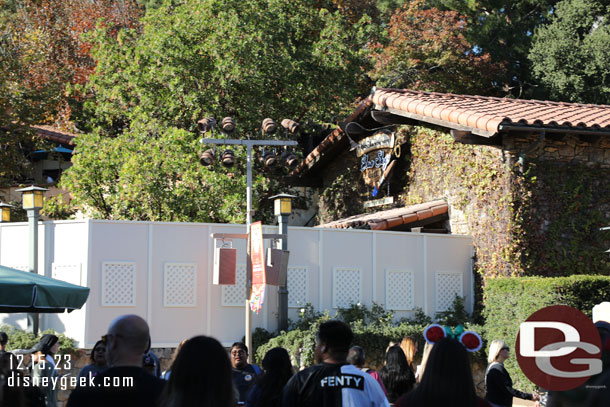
(5,212)
(282,208)
(32,199)
(249,144)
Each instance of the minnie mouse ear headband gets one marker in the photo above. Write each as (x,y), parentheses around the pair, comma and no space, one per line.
(470,339)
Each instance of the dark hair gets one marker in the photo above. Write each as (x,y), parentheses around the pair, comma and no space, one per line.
(337,335)
(356,356)
(447,380)
(201,376)
(98,343)
(278,370)
(45,344)
(3,338)
(396,375)
(240,345)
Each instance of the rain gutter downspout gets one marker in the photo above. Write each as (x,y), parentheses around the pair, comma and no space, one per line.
(528,150)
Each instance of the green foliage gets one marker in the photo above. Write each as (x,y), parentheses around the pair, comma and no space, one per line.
(20,339)
(504,31)
(358,313)
(307,316)
(456,315)
(344,196)
(558,212)
(475,182)
(510,301)
(570,54)
(373,330)
(152,174)
(57,208)
(249,59)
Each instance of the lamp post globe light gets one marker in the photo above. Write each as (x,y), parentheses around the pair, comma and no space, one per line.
(282,208)
(5,212)
(33,200)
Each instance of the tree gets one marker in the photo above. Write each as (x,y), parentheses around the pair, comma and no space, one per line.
(570,54)
(54,55)
(504,31)
(426,49)
(248,59)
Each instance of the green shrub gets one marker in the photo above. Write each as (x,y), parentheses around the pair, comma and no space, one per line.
(373,331)
(20,339)
(510,301)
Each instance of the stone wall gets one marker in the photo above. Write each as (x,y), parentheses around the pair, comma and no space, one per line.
(538,215)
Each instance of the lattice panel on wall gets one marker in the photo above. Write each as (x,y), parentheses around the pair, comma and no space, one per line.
(297,286)
(180,285)
(118,284)
(235,295)
(399,290)
(69,273)
(347,286)
(448,285)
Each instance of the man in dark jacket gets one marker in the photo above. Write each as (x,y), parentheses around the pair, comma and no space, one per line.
(125,383)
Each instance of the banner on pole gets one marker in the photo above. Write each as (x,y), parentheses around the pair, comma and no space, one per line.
(257,259)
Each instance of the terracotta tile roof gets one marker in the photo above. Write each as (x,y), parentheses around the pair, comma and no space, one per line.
(489,114)
(333,138)
(392,218)
(54,134)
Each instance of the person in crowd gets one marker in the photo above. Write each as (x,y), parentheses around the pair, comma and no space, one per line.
(499,385)
(277,370)
(124,383)
(166,374)
(3,342)
(396,375)
(419,372)
(357,357)
(44,369)
(333,382)
(409,347)
(244,374)
(201,376)
(14,392)
(150,361)
(447,380)
(98,361)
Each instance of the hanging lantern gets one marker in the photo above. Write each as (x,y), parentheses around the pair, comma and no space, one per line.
(228,125)
(207,157)
(290,125)
(290,159)
(228,158)
(206,124)
(269,158)
(269,126)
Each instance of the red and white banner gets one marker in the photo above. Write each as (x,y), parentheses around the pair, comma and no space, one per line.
(257,259)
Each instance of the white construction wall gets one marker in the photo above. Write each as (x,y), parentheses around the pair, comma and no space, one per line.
(163,272)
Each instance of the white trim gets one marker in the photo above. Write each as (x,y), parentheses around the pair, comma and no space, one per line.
(208,311)
(411,294)
(166,304)
(425,271)
(320,268)
(373,266)
(134,282)
(149,272)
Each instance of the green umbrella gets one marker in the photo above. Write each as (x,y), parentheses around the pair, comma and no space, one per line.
(21,291)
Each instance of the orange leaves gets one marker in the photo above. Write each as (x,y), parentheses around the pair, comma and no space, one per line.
(426,49)
(54,50)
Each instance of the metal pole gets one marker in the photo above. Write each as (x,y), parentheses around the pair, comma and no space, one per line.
(33,255)
(283,289)
(248,262)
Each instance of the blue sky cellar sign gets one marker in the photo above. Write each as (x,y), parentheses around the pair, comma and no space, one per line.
(375,154)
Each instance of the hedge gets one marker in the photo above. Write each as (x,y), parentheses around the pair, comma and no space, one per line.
(373,330)
(510,301)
